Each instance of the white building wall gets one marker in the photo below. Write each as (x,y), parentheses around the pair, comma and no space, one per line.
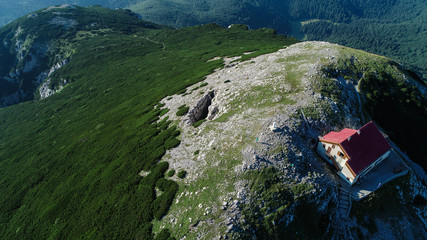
(321,151)
(347,175)
(335,148)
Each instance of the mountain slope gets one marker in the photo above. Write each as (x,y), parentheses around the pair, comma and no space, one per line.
(36,45)
(245,180)
(392,28)
(90,161)
(70,162)
(11,10)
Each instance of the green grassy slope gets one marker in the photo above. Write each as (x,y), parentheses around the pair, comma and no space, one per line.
(69,163)
(47,37)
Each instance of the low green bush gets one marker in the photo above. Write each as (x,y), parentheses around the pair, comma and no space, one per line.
(160,105)
(164,235)
(182,91)
(162,203)
(182,174)
(198,123)
(171,173)
(182,110)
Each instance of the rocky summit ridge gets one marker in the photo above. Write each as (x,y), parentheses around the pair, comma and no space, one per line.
(227,156)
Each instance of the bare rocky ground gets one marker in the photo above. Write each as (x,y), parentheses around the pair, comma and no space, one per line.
(237,138)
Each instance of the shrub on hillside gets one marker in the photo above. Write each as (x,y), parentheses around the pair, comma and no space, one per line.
(171,173)
(164,235)
(182,174)
(198,123)
(182,110)
(162,203)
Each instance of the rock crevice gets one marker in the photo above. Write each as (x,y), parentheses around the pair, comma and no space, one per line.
(201,110)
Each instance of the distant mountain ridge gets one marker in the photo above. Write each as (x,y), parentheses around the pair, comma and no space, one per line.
(394,28)
(36,45)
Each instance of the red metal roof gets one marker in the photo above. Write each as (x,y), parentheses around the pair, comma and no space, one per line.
(363,146)
(337,137)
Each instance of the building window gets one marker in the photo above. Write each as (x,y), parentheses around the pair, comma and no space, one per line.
(333,146)
(324,146)
(329,150)
(341,154)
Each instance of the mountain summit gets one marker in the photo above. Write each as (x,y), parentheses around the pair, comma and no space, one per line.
(252,169)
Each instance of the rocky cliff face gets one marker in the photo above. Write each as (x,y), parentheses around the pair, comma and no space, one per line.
(33,59)
(245,179)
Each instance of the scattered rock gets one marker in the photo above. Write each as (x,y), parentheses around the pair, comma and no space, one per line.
(248,98)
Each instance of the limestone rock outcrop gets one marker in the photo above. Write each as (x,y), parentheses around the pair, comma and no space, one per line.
(201,110)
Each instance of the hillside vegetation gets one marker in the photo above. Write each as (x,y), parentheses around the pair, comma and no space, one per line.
(70,163)
(398,105)
(37,44)
(109,156)
(394,28)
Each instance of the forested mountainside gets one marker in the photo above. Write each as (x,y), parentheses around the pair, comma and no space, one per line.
(394,28)
(101,157)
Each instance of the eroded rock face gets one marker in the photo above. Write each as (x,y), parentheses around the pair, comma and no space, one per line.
(45,90)
(31,68)
(201,110)
(213,113)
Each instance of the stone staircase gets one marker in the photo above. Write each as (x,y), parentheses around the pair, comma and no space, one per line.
(344,202)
